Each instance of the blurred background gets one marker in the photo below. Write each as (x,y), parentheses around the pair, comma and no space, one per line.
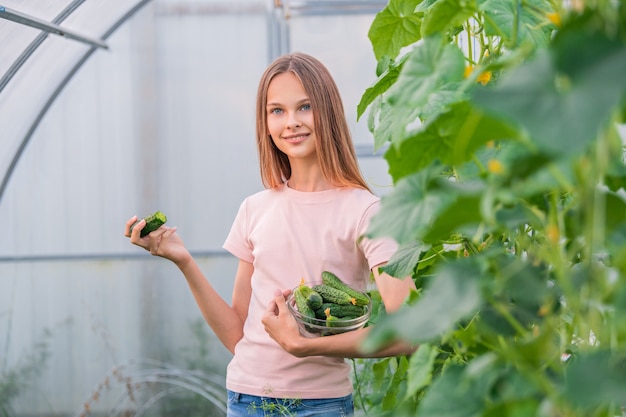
(149,107)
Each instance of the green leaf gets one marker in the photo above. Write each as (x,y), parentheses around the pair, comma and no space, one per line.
(511,217)
(562,114)
(451,395)
(444,14)
(518,22)
(420,368)
(398,384)
(432,67)
(451,138)
(392,123)
(461,216)
(395,27)
(382,84)
(596,379)
(615,211)
(452,295)
(379,369)
(408,210)
(403,262)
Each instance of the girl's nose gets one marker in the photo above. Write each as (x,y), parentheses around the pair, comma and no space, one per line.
(293,122)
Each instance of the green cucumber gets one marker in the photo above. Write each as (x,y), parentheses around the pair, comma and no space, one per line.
(345,311)
(153,222)
(333,295)
(312,297)
(303,306)
(330,279)
(331,321)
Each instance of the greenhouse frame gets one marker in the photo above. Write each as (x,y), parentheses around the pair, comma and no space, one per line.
(112,108)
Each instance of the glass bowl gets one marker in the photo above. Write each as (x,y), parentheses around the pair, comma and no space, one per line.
(313,327)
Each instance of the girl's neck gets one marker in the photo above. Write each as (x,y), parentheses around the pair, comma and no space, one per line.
(309,180)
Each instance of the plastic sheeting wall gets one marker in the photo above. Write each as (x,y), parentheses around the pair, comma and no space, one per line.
(162,120)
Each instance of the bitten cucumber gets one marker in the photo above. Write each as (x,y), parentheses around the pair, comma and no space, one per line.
(153,222)
(332,280)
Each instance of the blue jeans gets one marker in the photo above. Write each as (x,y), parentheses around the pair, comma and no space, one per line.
(243,405)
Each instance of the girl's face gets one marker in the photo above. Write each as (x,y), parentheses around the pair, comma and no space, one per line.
(290,118)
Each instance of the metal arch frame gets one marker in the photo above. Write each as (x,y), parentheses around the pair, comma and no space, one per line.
(28,53)
(32,21)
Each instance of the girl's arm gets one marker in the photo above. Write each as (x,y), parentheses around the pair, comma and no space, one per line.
(225,320)
(282,327)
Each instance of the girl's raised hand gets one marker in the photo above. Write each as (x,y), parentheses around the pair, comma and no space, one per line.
(163,242)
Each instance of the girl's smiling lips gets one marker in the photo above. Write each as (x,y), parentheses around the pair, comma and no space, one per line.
(296,138)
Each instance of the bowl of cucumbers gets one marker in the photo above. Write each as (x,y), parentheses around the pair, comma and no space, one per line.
(328,306)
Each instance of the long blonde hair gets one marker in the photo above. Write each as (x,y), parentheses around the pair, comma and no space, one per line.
(335,150)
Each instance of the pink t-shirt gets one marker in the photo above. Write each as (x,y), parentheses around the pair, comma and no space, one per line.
(289,235)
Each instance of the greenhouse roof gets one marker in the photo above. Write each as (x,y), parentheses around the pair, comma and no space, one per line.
(34,35)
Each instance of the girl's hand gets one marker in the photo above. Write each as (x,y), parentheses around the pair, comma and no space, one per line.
(163,242)
(281,326)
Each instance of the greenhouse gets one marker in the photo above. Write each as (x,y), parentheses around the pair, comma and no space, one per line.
(493,131)
(117,108)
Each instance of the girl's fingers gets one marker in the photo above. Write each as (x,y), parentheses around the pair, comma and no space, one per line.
(129,223)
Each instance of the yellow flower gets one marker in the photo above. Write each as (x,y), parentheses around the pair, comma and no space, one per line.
(555,18)
(552,232)
(495,167)
(484,77)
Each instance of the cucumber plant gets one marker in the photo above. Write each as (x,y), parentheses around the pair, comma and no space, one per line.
(501,121)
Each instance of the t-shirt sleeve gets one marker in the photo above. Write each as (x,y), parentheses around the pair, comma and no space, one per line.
(237,241)
(376,250)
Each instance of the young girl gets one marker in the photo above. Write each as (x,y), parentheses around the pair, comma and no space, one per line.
(310,219)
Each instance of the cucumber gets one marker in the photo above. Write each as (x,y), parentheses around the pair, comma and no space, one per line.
(330,279)
(331,321)
(345,312)
(153,222)
(303,306)
(312,297)
(333,295)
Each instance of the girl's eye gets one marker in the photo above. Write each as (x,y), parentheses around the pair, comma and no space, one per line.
(276,111)
(306,107)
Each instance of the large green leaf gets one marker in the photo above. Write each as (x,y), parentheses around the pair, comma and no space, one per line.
(420,368)
(407,212)
(562,114)
(451,138)
(432,67)
(452,395)
(392,122)
(395,27)
(461,216)
(430,80)
(615,211)
(518,22)
(444,14)
(596,379)
(453,295)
